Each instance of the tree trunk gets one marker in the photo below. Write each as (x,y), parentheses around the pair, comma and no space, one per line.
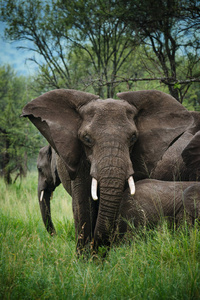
(174,93)
(6,160)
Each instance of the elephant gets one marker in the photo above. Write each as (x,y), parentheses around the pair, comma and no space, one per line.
(156,200)
(104,146)
(48,180)
(153,200)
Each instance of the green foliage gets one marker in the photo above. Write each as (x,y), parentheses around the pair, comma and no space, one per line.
(192,99)
(171,30)
(104,47)
(18,139)
(92,43)
(157,264)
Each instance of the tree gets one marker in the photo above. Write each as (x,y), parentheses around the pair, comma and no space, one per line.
(18,140)
(86,25)
(170,30)
(104,35)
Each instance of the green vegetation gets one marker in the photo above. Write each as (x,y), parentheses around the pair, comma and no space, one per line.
(159,264)
(92,43)
(19,140)
(101,47)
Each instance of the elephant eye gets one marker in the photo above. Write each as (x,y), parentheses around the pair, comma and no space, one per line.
(87,140)
(133,139)
(40,170)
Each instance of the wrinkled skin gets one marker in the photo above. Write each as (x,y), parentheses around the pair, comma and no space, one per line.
(156,200)
(192,202)
(191,159)
(143,135)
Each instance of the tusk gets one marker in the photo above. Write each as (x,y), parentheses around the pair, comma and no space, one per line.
(41,195)
(131,185)
(94,189)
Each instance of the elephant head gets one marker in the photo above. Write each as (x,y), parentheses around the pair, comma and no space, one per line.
(117,139)
(48,178)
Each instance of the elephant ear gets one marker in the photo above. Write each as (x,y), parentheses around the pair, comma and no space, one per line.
(55,114)
(160,120)
(191,156)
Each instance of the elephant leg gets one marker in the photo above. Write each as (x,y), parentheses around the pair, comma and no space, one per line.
(44,202)
(85,212)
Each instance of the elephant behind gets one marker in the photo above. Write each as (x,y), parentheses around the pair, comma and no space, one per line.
(106,145)
(157,200)
(48,180)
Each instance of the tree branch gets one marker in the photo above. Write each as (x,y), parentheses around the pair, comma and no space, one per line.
(166,80)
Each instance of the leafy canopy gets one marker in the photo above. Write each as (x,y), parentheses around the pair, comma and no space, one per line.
(18,139)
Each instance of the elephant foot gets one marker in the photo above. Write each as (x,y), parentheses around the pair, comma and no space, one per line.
(50,228)
(88,251)
(83,252)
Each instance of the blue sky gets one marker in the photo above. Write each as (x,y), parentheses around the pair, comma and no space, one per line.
(9,54)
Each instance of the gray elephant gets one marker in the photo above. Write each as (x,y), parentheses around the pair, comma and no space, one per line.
(48,180)
(104,143)
(157,200)
(192,203)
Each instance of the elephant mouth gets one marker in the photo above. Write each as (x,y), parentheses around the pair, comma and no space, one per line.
(94,187)
(43,193)
(131,184)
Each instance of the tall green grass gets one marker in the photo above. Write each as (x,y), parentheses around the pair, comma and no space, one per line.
(158,264)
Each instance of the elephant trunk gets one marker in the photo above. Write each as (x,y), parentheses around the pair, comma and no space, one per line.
(110,199)
(44,197)
(112,177)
